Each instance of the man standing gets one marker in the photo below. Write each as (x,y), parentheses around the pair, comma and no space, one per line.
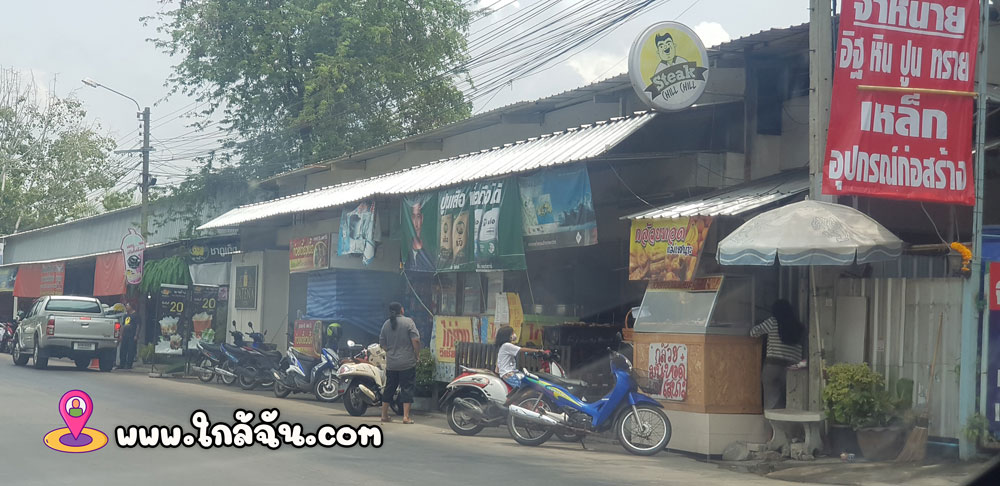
(130,337)
(401,342)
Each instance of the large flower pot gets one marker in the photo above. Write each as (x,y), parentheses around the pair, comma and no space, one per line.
(881,443)
(842,438)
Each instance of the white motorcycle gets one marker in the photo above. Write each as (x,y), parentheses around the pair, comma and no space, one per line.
(478,398)
(362,379)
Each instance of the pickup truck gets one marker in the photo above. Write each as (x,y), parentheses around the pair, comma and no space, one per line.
(61,326)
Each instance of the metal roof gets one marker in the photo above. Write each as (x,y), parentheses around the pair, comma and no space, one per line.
(776,38)
(564,147)
(735,200)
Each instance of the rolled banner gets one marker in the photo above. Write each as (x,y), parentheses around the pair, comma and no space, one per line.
(133,247)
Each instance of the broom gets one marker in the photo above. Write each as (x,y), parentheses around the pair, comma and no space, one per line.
(916,444)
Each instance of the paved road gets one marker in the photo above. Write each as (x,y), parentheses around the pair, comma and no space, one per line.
(425,453)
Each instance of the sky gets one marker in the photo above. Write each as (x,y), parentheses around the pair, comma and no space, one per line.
(68,40)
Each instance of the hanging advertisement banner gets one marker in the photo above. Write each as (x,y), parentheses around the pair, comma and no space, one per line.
(668,66)
(448,331)
(903,144)
(53,278)
(557,209)
(307,254)
(246,287)
(479,227)
(133,247)
(667,249)
(419,215)
(171,319)
(994,289)
(359,232)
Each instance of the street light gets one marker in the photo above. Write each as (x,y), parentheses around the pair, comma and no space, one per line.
(144,113)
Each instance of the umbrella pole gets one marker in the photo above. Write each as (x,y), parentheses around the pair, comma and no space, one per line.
(819,336)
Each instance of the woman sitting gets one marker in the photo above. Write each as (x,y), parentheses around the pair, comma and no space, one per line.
(507,356)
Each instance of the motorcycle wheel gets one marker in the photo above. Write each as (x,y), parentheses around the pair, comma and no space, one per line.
(248,378)
(459,419)
(281,391)
(207,375)
(527,433)
(645,434)
(355,401)
(326,388)
(226,380)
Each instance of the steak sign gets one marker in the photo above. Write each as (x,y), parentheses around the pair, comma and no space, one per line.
(901,120)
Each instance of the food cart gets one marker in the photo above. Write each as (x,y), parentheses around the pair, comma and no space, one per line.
(694,355)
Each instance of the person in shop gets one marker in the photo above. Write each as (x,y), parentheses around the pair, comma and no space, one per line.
(784,334)
(401,342)
(507,356)
(130,338)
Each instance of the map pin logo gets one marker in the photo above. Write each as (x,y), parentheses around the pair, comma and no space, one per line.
(75,408)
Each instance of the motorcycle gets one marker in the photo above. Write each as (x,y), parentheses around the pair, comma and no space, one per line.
(219,360)
(362,379)
(7,336)
(638,421)
(477,398)
(256,369)
(301,373)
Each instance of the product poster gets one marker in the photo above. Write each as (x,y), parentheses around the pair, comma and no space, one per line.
(308,337)
(171,319)
(668,370)
(204,302)
(307,254)
(359,232)
(133,248)
(479,227)
(246,287)
(557,209)
(420,237)
(667,249)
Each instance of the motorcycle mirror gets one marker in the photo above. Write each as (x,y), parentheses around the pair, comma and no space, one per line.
(234,323)
(250,325)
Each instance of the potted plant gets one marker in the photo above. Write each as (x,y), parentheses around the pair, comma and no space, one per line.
(856,397)
(146,353)
(977,430)
(424,397)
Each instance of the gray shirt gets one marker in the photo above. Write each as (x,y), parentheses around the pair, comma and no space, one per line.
(398,344)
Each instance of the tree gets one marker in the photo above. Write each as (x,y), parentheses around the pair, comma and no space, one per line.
(113,200)
(300,81)
(50,159)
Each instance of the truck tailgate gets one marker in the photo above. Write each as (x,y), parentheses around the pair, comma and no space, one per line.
(85,328)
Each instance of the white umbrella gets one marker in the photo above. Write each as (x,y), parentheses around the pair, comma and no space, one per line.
(809,233)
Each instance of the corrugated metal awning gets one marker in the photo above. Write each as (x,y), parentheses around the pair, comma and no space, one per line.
(735,200)
(575,144)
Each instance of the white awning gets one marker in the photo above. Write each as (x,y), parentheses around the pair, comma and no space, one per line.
(734,200)
(573,145)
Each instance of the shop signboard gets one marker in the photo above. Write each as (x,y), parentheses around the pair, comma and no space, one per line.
(133,247)
(479,227)
(246,287)
(171,319)
(900,129)
(668,66)
(667,249)
(359,232)
(204,302)
(212,251)
(557,209)
(449,331)
(509,313)
(53,278)
(419,215)
(308,337)
(310,253)
(668,370)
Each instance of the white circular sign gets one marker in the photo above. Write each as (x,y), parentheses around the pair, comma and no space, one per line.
(668,66)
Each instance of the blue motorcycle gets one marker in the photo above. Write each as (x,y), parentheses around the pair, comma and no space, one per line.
(543,407)
(300,373)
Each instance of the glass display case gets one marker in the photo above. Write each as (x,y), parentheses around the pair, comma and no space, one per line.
(710,305)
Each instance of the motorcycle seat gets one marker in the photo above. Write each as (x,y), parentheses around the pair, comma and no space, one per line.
(270,354)
(212,348)
(561,381)
(303,358)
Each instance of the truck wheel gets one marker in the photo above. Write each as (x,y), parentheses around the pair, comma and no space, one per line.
(40,359)
(20,359)
(106,361)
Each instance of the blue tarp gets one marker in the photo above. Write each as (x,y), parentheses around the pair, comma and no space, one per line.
(352,297)
(991,243)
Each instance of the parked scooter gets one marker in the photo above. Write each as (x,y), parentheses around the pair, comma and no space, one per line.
(7,335)
(477,397)
(542,407)
(220,360)
(257,368)
(300,373)
(362,379)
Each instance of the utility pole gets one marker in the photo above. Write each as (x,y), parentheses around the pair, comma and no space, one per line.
(144,225)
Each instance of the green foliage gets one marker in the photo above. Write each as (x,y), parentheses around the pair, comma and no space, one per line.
(51,158)
(856,396)
(173,270)
(118,200)
(146,353)
(425,368)
(300,81)
(977,429)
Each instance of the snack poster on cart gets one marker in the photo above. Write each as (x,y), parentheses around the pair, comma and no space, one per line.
(901,126)
(308,337)
(171,317)
(668,370)
(449,331)
(667,249)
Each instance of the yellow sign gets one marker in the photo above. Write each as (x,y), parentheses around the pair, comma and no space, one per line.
(666,249)
(449,331)
(668,66)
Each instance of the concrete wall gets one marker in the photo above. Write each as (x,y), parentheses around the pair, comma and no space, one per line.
(387,254)
(272,296)
(771,154)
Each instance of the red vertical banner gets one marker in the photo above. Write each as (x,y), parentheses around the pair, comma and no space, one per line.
(914,145)
(53,278)
(994,290)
